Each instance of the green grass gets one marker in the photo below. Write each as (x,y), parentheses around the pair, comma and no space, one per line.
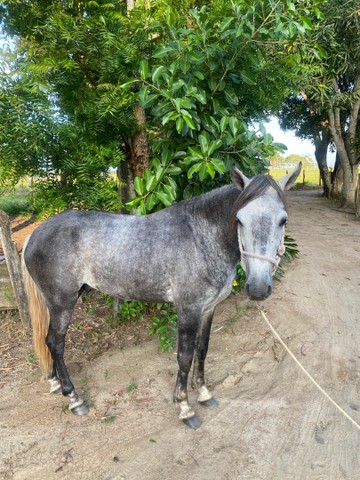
(308,176)
(16,202)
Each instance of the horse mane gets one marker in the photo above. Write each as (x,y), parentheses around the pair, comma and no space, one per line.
(256,188)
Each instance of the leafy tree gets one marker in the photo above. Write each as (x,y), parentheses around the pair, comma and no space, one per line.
(299,114)
(202,76)
(330,103)
(215,76)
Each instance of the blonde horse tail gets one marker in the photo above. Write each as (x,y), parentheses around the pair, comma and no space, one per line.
(40,318)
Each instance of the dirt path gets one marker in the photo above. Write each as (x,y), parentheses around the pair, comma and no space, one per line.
(271,422)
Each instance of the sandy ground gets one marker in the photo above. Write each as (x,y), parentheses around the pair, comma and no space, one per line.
(271,422)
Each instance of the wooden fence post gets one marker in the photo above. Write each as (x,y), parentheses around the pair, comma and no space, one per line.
(14,267)
(357,205)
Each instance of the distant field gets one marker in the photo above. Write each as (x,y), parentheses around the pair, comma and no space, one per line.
(308,176)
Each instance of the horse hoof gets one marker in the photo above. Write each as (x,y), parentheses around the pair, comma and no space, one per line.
(80,410)
(192,422)
(211,403)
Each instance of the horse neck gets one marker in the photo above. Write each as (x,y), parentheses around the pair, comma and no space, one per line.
(214,209)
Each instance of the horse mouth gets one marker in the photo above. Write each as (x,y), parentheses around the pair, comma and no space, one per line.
(258,295)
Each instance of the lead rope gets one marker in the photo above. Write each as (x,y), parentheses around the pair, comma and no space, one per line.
(304,370)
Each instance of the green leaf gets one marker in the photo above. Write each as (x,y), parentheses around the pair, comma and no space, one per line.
(204,144)
(151,201)
(307,23)
(149,100)
(133,203)
(157,73)
(233,123)
(173,170)
(162,52)
(248,78)
(224,123)
(171,192)
(203,172)
(163,198)
(151,182)
(169,116)
(268,138)
(189,122)
(195,153)
(214,145)
(232,97)
(139,185)
(179,124)
(129,82)
(218,165)
(195,168)
(225,23)
(144,69)
(210,169)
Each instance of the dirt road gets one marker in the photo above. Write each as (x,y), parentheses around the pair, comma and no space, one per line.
(271,423)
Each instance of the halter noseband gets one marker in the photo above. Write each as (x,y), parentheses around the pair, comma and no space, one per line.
(274,261)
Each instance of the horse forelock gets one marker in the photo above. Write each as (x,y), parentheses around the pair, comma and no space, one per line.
(256,188)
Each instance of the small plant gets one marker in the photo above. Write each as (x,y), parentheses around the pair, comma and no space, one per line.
(164,325)
(83,380)
(129,310)
(31,357)
(108,420)
(131,387)
(242,309)
(240,279)
(291,252)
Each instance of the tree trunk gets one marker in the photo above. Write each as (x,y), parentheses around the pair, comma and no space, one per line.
(138,156)
(321,147)
(344,133)
(14,267)
(357,209)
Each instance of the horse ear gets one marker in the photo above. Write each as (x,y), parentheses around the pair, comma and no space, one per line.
(288,180)
(238,178)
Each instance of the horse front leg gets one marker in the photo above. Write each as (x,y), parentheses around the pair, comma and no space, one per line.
(205,397)
(55,341)
(187,328)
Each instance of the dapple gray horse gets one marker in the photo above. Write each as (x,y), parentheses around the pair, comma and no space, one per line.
(185,254)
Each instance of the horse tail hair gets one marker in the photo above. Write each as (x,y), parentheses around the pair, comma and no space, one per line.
(40,317)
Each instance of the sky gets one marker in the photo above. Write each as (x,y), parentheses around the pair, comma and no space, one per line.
(295,146)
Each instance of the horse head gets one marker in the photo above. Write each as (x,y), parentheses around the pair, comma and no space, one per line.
(261,216)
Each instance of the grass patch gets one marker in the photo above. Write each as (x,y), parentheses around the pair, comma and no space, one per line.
(308,176)
(16,202)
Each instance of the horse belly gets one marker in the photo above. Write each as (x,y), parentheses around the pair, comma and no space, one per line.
(131,283)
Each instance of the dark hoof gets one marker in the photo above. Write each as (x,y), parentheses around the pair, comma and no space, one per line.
(192,422)
(211,403)
(81,410)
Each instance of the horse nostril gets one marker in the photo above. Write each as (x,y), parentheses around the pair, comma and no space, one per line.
(247,289)
(269,291)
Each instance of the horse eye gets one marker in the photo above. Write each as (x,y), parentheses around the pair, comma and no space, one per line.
(240,223)
(283,222)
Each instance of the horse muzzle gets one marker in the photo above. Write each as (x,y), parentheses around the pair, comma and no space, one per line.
(257,289)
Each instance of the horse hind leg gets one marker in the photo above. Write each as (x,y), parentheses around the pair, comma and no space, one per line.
(55,341)
(187,326)
(205,397)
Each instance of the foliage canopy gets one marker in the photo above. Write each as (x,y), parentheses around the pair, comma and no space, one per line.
(203,75)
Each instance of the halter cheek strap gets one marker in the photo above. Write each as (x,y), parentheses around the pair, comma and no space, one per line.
(274,261)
